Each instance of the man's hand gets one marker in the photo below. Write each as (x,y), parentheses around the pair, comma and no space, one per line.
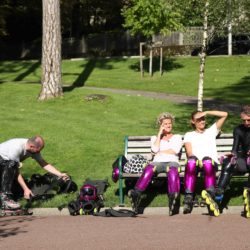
(64,176)
(27,194)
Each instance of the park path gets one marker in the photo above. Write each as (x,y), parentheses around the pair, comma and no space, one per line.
(209,103)
(155,232)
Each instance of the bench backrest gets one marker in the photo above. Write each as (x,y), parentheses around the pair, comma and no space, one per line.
(142,145)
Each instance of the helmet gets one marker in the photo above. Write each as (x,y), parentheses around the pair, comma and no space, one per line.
(88,193)
(115,174)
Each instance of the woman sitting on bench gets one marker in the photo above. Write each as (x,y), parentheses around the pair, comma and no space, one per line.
(165,147)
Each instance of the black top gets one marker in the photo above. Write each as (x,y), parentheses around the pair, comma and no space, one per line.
(241,144)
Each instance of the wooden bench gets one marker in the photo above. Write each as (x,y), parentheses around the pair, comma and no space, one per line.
(142,145)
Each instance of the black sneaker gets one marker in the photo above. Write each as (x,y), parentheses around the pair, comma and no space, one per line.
(135,199)
(174,203)
(188,204)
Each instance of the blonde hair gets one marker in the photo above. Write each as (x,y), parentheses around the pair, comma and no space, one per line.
(164,116)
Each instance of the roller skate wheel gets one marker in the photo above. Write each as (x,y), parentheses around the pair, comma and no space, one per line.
(248,214)
(204,194)
(208,201)
(212,208)
(247,207)
(245,193)
(216,213)
(245,201)
(81,211)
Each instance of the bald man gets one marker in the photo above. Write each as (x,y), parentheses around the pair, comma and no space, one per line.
(12,153)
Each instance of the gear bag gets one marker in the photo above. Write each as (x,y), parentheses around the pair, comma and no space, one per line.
(90,199)
(46,186)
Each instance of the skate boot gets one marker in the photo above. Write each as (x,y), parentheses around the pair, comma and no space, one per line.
(135,198)
(211,203)
(246,197)
(188,204)
(219,194)
(9,206)
(196,202)
(174,203)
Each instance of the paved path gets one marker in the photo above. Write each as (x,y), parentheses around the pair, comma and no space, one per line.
(146,232)
(180,99)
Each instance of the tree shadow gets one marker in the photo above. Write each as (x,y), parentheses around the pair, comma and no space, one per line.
(16,66)
(168,64)
(237,93)
(8,225)
(86,72)
(28,71)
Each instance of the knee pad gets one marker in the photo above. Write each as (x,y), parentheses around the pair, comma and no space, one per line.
(190,174)
(9,170)
(208,166)
(209,172)
(173,180)
(248,161)
(191,165)
(145,178)
(115,174)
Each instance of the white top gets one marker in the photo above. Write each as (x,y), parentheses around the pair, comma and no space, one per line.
(203,144)
(174,143)
(14,149)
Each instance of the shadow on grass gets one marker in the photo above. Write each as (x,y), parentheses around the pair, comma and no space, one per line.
(28,67)
(237,93)
(167,65)
(83,76)
(87,71)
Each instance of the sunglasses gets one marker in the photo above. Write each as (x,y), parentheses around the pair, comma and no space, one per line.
(200,119)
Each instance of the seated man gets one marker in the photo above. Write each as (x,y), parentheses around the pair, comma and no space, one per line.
(165,148)
(12,153)
(239,160)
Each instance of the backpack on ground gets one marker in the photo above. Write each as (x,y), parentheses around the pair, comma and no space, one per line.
(90,199)
(45,186)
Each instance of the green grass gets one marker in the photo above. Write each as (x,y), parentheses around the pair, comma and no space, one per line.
(83,137)
(225,77)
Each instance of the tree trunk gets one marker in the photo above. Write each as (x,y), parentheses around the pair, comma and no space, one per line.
(141,59)
(151,61)
(203,59)
(229,27)
(51,51)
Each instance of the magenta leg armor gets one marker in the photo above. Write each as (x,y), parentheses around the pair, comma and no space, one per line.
(145,178)
(173,180)
(190,175)
(248,160)
(209,173)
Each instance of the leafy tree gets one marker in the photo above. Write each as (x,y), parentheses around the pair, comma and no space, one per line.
(150,17)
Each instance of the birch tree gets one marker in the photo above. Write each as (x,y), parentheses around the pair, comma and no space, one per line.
(203,58)
(51,51)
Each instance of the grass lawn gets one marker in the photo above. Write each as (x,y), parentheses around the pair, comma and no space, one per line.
(83,137)
(225,77)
